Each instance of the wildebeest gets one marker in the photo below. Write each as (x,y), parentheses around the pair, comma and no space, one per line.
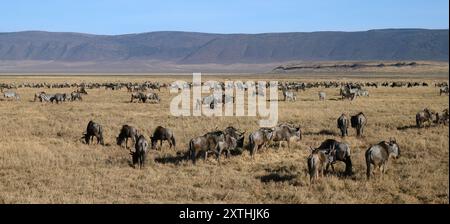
(162,134)
(358,122)
(126,132)
(235,133)
(442,118)
(206,143)
(140,151)
(341,153)
(286,133)
(82,90)
(152,97)
(229,143)
(316,163)
(139,96)
(424,116)
(342,124)
(259,139)
(58,97)
(322,95)
(94,130)
(379,154)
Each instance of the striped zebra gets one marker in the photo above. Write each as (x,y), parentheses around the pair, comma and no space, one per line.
(11,95)
(43,97)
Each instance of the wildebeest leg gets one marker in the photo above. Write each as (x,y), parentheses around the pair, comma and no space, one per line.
(160,145)
(193,156)
(368,172)
(206,155)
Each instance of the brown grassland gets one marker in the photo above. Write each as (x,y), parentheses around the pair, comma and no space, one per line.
(42,159)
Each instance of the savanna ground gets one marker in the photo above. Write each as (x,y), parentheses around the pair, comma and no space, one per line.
(42,159)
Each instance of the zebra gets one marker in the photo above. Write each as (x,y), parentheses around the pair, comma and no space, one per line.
(43,97)
(322,95)
(362,92)
(289,95)
(11,95)
(75,96)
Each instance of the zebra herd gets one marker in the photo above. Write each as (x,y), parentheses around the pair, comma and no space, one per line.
(58,97)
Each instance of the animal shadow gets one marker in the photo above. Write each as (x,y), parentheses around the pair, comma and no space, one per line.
(322,132)
(180,156)
(280,174)
(407,127)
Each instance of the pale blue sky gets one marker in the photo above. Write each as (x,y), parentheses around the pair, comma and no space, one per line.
(227,16)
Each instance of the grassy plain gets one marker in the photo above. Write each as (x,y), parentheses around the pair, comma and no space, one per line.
(42,159)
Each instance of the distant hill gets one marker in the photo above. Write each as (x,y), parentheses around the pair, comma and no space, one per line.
(187,48)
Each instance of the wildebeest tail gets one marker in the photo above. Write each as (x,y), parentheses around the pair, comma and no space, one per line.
(191,152)
(251,144)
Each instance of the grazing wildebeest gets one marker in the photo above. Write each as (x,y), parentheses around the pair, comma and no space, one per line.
(342,124)
(259,139)
(424,116)
(162,134)
(358,122)
(126,132)
(379,154)
(58,97)
(153,97)
(442,118)
(82,90)
(94,129)
(139,96)
(286,133)
(140,151)
(235,133)
(228,144)
(316,163)
(341,153)
(322,95)
(206,143)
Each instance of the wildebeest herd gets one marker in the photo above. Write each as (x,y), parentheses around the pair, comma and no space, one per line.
(232,139)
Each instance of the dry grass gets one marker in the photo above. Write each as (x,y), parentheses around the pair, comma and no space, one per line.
(43,161)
